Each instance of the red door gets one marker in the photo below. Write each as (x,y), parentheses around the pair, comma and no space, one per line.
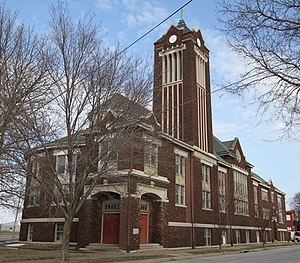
(111,228)
(144,229)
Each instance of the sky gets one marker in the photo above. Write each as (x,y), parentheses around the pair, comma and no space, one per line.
(124,21)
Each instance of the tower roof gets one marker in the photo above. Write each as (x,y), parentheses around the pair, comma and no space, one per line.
(181,24)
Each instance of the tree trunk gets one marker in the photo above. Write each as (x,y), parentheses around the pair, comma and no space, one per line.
(263,238)
(65,247)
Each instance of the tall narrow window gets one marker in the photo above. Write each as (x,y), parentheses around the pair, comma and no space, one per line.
(222,197)
(240,193)
(34,196)
(206,200)
(59,231)
(108,160)
(64,175)
(238,236)
(205,173)
(256,210)
(179,165)
(35,180)
(150,158)
(207,236)
(264,195)
(279,209)
(206,196)
(62,164)
(30,232)
(180,179)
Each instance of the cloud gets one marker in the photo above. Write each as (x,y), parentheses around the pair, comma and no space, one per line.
(225,130)
(224,61)
(107,5)
(142,14)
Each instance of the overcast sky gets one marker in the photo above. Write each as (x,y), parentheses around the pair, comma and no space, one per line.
(123,21)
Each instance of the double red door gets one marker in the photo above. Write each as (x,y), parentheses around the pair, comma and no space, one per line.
(111,228)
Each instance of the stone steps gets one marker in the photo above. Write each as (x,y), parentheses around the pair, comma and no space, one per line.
(151,246)
(115,247)
(103,247)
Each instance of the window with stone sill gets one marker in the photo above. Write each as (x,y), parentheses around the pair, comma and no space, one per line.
(150,158)
(30,232)
(61,196)
(241,207)
(59,229)
(206,173)
(279,210)
(207,236)
(256,211)
(179,165)
(222,198)
(180,179)
(34,188)
(108,155)
(266,213)
(238,236)
(34,196)
(222,203)
(179,195)
(206,188)
(264,195)
(62,167)
(206,200)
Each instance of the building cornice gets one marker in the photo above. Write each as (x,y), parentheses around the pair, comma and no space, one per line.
(141,174)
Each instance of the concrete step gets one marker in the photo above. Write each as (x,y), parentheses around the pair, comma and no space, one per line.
(151,246)
(103,247)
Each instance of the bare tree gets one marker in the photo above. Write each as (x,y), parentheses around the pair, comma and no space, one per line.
(91,117)
(266,35)
(295,202)
(227,206)
(295,205)
(23,81)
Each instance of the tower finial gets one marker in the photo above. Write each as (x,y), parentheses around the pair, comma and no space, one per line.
(181,16)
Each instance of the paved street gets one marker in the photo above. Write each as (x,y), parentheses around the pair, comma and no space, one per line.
(280,255)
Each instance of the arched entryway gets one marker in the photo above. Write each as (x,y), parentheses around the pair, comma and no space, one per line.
(109,204)
(151,214)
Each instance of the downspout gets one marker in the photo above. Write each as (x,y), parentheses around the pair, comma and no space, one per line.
(192,201)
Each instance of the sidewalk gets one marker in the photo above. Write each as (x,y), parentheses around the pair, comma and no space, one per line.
(159,255)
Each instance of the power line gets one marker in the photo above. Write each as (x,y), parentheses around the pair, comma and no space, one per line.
(133,43)
(152,29)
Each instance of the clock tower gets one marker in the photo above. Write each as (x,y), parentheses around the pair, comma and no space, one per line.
(181,96)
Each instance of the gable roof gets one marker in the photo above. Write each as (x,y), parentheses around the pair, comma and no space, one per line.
(119,103)
(258,178)
(230,144)
(221,148)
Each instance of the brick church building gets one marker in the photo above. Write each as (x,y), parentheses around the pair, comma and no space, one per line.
(191,188)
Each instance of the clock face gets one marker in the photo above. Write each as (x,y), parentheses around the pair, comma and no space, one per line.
(172,39)
(198,42)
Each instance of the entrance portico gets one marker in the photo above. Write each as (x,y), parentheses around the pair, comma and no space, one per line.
(122,219)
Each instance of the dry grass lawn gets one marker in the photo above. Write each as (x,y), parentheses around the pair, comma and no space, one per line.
(16,254)
(42,252)
(8,234)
